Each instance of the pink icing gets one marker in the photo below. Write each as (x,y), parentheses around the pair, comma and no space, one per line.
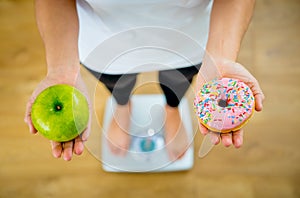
(223,105)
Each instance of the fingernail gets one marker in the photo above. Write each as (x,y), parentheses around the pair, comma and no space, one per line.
(229,141)
(237,145)
(67,158)
(78,151)
(84,137)
(214,139)
(56,155)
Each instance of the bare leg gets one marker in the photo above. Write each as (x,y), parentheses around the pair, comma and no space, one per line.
(118,135)
(174,84)
(120,86)
(175,134)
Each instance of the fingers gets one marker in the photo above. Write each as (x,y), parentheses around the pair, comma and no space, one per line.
(78,146)
(214,138)
(237,138)
(203,129)
(30,125)
(257,93)
(226,139)
(259,98)
(57,149)
(85,134)
(66,149)
(27,118)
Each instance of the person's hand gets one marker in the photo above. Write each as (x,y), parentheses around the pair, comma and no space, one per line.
(64,149)
(235,70)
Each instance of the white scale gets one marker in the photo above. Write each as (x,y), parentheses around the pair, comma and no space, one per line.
(147,152)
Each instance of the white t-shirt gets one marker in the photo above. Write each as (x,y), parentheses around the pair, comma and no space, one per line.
(132,36)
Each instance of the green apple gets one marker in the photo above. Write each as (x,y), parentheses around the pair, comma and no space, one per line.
(60,113)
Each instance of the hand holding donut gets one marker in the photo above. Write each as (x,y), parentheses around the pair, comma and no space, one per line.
(229,101)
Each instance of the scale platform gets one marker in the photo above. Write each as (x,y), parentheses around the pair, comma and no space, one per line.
(147,150)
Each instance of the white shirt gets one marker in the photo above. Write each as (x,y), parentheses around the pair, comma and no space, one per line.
(132,36)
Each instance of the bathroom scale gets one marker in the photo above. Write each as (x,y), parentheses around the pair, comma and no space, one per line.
(147,151)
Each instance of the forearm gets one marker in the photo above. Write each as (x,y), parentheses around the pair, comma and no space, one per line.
(228,24)
(57,21)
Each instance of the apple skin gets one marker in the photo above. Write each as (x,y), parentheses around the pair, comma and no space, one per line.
(60,113)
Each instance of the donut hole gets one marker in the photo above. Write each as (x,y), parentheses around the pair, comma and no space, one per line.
(222,103)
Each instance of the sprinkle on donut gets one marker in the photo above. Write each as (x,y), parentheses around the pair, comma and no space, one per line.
(224,105)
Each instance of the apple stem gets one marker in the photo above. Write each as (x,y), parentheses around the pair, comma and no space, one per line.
(58,107)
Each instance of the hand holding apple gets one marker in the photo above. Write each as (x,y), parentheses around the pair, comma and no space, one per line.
(67,147)
(60,113)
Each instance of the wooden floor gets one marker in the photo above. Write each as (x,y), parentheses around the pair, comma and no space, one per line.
(268,165)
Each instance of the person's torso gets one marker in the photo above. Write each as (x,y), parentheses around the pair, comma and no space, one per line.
(123,30)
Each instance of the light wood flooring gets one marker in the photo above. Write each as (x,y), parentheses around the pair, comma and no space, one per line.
(268,164)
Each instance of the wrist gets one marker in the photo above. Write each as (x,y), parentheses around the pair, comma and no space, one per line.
(216,59)
(64,74)
(223,50)
(215,65)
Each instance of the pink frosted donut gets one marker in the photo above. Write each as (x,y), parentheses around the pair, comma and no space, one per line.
(224,105)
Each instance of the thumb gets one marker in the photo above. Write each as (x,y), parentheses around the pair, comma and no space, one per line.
(235,70)
(27,118)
